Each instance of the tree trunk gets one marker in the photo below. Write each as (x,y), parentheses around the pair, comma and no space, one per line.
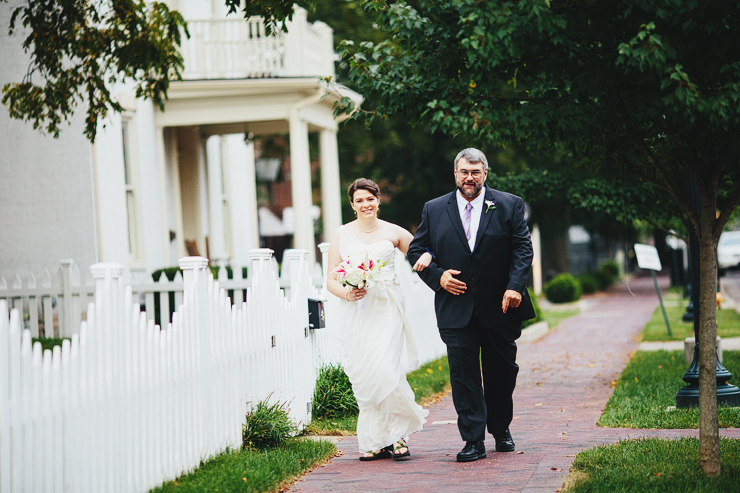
(709,455)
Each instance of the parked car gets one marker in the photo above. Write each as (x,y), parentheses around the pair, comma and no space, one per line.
(728,251)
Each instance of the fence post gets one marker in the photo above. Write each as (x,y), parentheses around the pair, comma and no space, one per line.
(5,397)
(189,266)
(324,248)
(261,260)
(296,260)
(105,340)
(66,326)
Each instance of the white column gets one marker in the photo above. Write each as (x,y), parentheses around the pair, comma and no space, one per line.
(536,260)
(243,197)
(300,179)
(173,160)
(217,248)
(331,201)
(202,184)
(162,169)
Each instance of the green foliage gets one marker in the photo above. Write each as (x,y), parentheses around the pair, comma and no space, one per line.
(333,397)
(267,425)
(273,12)
(171,272)
(429,380)
(647,388)
(609,270)
(537,311)
(81,50)
(653,465)
(563,288)
(621,91)
(252,470)
(49,342)
(589,282)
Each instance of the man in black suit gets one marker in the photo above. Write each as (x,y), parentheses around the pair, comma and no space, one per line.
(482,258)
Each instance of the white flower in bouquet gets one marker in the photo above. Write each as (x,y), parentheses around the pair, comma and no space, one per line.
(358,272)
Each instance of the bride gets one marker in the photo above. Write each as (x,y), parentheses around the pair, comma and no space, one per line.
(375,329)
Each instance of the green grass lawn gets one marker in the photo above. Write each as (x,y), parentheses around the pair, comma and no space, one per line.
(249,470)
(430,380)
(343,426)
(728,325)
(554,317)
(648,386)
(652,465)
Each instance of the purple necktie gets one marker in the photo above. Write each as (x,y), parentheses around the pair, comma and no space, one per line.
(466,219)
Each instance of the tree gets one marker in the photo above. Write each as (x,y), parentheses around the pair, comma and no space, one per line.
(80,49)
(646,90)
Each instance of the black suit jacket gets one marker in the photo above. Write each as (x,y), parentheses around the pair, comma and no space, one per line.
(501,260)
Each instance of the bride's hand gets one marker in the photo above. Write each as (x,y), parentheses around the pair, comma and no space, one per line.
(355,294)
(423,262)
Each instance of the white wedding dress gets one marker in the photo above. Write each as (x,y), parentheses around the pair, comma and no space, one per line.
(379,350)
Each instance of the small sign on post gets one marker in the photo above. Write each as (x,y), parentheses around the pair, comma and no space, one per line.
(647,258)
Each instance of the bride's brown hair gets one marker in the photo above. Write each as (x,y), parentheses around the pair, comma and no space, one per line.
(363,184)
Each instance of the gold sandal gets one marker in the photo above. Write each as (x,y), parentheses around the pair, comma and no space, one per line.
(384,453)
(399,445)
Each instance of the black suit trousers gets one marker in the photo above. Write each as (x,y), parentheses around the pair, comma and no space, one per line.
(474,351)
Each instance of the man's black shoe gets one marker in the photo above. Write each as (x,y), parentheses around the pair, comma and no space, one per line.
(504,442)
(472,451)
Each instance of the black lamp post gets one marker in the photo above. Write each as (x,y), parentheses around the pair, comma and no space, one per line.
(688,396)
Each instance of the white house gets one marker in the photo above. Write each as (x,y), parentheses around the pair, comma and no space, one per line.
(156,181)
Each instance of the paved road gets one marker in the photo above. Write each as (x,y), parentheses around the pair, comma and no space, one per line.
(563,385)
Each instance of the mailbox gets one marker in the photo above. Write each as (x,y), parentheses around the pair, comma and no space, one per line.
(316,318)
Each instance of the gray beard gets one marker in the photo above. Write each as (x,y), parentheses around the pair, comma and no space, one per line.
(475,193)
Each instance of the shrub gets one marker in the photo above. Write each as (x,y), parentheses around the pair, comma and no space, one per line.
(267,425)
(610,268)
(537,311)
(603,279)
(589,282)
(562,289)
(333,397)
(171,272)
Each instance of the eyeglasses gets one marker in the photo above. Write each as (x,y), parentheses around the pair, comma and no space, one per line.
(474,173)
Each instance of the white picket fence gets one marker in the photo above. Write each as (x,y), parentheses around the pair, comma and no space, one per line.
(52,305)
(124,406)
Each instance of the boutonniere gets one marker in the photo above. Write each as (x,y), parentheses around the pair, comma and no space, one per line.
(490,205)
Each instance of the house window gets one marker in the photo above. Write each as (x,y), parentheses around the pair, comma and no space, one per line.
(132,209)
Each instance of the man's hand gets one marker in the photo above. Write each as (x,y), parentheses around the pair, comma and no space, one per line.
(450,284)
(511,299)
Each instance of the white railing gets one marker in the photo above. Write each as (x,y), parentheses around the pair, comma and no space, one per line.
(124,406)
(235,48)
(54,306)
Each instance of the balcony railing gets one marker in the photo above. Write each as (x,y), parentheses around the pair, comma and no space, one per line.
(236,49)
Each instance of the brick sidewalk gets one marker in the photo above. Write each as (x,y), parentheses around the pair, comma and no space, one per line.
(563,385)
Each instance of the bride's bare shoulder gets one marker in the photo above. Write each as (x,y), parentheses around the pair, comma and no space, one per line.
(397,232)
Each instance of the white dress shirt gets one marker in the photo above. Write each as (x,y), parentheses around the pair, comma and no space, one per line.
(477,204)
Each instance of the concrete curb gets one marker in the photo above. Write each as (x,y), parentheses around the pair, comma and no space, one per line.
(534,332)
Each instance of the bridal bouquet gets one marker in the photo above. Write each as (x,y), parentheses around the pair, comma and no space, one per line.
(357,272)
